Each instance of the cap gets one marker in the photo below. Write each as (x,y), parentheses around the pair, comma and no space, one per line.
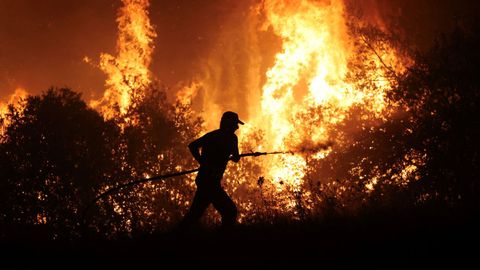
(231,116)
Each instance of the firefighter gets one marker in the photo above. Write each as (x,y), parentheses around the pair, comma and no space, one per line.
(213,151)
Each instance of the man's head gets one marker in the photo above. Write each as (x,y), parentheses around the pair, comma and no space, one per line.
(230,121)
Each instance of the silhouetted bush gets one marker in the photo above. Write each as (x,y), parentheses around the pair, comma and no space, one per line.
(443,89)
(53,156)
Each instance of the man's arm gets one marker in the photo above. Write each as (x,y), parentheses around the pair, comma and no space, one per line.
(194,148)
(235,154)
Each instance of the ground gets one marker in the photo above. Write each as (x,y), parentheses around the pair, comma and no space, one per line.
(379,241)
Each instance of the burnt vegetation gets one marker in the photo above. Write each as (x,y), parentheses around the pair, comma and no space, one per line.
(57,154)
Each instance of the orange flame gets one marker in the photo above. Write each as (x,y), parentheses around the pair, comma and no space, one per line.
(306,95)
(128,72)
(14,99)
(308,78)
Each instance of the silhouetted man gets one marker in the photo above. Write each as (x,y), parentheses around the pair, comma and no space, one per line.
(217,148)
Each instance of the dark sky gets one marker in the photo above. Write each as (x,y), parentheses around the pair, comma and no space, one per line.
(419,22)
(42,43)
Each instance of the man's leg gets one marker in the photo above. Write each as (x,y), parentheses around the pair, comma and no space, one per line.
(200,203)
(225,206)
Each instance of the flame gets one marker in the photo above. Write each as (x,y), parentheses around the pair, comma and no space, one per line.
(15,100)
(311,51)
(128,72)
(306,95)
(186,94)
(308,81)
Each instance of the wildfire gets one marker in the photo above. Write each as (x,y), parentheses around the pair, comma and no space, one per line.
(300,105)
(15,100)
(306,94)
(128,72)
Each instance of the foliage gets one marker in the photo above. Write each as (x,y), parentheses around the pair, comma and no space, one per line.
(57,155)
(53,155)
(425,154)
(443,91)
(155,137)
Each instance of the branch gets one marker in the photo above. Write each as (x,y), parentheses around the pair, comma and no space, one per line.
(379,57)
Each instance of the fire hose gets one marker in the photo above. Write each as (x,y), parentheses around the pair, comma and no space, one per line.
(169,175)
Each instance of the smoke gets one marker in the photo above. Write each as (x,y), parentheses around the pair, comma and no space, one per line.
(311,147)
(416,23)
(230,74)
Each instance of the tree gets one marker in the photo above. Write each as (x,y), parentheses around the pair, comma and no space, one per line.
(154,137)
(53,156)
(443,91)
